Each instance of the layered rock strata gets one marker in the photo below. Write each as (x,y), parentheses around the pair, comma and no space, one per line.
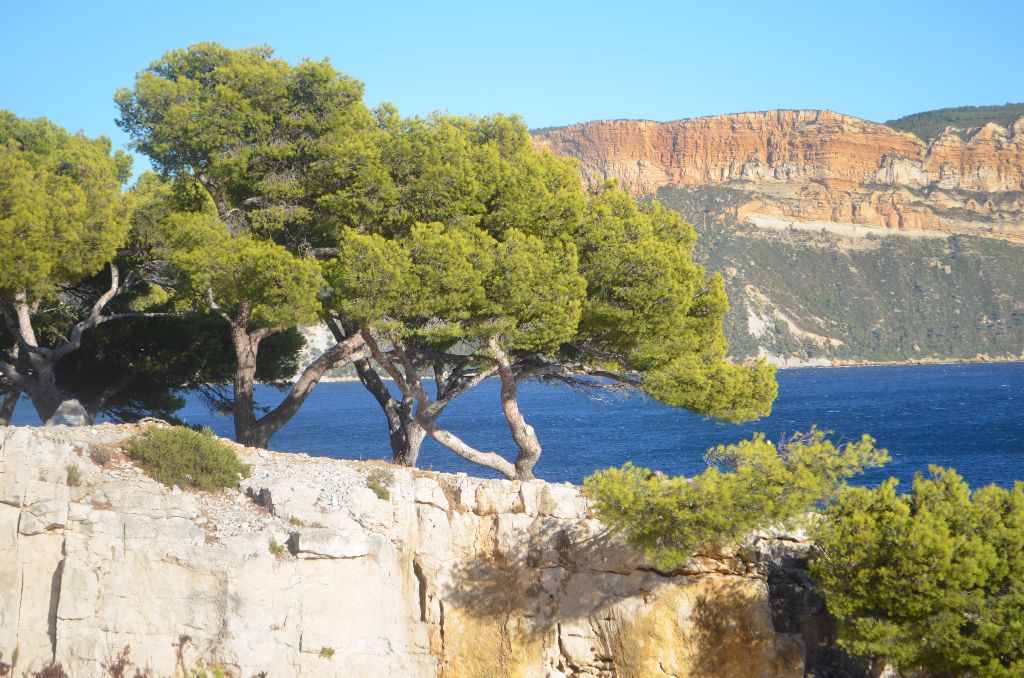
(304,571)
(817,166)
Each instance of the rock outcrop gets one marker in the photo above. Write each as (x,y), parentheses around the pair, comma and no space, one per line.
(305,571)
(817,166)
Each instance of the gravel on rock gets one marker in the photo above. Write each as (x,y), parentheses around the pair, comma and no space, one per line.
(230,512)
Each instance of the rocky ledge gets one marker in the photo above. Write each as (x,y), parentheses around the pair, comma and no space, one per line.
(305,571)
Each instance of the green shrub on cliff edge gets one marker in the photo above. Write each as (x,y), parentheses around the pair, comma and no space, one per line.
(930,579)
(186,458)
(759,485)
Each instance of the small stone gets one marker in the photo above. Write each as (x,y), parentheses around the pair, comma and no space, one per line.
(70,413)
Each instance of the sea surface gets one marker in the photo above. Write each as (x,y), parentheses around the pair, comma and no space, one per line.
(966,416)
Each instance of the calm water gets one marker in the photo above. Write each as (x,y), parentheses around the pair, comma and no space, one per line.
(965,416)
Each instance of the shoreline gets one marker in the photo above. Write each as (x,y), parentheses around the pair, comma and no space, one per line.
(825,363)
(842,362)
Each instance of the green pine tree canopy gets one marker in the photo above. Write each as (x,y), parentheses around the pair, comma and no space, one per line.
(932,579)
(454,238)
(282,201)
(62,213)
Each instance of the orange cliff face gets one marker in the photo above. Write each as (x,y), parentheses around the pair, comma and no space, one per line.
(817,166)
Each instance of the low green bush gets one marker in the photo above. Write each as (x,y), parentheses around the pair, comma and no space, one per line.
(748,486)
(379,480)
(74,475)
(186,458)
(931,579)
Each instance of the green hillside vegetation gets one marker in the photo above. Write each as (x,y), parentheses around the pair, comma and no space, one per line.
(541,130)
(929,124)
(884,298)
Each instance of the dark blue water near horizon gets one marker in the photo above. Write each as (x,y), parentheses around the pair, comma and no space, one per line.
(966,416)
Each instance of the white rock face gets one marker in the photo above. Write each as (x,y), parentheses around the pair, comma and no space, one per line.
(452,576)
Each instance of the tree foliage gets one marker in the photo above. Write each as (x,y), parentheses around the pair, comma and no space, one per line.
(63,217)
(653,311)
(240,274)
(443,285)
(276,159)
(930,579)
(759,485)
(472,171)
(283,151)
(62,213)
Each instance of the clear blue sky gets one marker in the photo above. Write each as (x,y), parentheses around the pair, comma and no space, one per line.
(554,62)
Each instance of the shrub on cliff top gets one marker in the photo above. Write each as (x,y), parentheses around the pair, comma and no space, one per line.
(759,485)
(186,458)
(931,579)
(379,480)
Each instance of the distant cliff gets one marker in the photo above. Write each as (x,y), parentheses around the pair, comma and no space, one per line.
(817,166)
(840,239)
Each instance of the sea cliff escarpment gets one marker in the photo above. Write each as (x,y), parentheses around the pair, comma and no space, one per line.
(305,571)
(817,166)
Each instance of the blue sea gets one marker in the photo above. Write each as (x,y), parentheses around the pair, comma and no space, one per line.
(966,416)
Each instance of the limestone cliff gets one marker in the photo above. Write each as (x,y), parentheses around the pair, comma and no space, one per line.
(450,576)
(817,166)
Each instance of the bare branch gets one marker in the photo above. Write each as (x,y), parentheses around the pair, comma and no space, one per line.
(24,330)
(385,362)
(491,460)
(261,333)
(454,392)
(342,353)
(11,374)
(214,307)
(75,340)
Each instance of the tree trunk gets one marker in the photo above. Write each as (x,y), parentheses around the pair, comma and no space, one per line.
(43,388)
(246,348)
(35,365)
(256,432)
(523,434)
(7,406)
(96,404)
(406,439)
(342,353)
(405,434)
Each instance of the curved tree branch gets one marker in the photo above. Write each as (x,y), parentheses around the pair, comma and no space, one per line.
(342,353)
(491,460)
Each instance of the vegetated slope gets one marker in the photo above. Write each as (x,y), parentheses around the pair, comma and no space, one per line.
(806,294)
(929,124)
